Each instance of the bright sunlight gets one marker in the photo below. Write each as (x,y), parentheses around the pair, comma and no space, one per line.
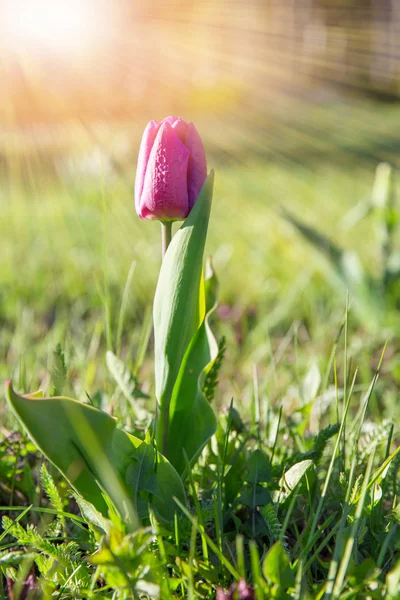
(51,26)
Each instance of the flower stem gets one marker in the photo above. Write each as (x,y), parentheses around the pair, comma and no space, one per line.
(166,235)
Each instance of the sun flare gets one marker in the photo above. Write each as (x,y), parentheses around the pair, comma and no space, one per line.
(50,26)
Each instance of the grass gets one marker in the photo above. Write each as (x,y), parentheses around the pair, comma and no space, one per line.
(297,493)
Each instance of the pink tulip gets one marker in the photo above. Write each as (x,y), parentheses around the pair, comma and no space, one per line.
(171,170)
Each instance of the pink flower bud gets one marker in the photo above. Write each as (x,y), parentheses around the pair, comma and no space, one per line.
(239,591)
(171,170)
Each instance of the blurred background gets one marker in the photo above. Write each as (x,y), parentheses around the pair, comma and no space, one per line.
(297,102)
(95,60)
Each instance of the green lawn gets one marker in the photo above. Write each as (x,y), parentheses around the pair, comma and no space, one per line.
(79,269)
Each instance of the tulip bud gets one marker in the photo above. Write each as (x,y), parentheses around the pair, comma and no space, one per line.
(171,170)
(239,591)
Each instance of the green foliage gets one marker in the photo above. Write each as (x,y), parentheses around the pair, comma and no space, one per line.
(277,569)
(192,421)
(184,344)
(321,441)
(129,565)
(54,496)
(367,290)
(93,455)
(51,489)
(338,519)
(211,379)
(274,526)
(124,378)
(261,534)
(58,371)
(60,565)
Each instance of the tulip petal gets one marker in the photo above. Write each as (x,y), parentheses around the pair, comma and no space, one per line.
(171,120)
(165,195)
(179,125)
(197,168)
(146,145)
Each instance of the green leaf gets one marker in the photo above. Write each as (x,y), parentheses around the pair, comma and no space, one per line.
(93,516)
(259,467)
(367,570)
(179,307)
(86,446)
(140,473)
(191,419)
(293,476)
(310,385)
(276,567)
(254,497)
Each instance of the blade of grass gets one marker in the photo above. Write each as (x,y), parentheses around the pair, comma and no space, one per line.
(330,471)
(20,516)
(344,564)
(256,571)
(197,507)
(192,550)
(39,509)
(241,565)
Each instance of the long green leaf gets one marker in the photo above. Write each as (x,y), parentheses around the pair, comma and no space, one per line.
(94,456)
(192,420)
(178,308)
